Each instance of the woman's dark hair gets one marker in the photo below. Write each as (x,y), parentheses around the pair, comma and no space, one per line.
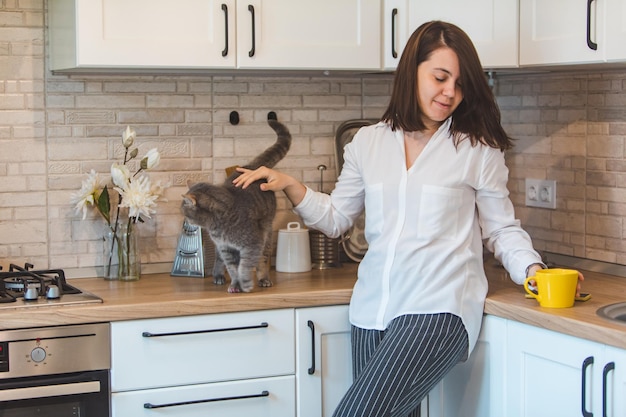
(477,116)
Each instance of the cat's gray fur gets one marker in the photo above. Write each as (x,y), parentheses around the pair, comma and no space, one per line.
(239,221)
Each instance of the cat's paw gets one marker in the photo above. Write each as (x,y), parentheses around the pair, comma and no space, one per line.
(234,289)
(265,282)
(219,280)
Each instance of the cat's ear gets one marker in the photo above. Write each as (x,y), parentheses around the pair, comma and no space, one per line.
(190,183)
(189,200)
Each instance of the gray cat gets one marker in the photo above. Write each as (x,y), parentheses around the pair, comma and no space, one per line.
(239,221)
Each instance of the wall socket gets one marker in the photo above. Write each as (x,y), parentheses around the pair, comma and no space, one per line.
(541,193)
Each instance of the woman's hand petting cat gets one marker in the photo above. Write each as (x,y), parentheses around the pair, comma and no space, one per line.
(276,181)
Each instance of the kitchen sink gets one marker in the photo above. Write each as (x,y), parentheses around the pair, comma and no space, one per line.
(614,312)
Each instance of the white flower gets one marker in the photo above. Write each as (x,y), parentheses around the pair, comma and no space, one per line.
(158,189)
(138,194)
(86,195)
(128,137)
(138,197)
(151,159)
(120,175)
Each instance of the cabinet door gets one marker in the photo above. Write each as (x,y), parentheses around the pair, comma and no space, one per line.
(476,388)
(615,30)
(561,32)
(491,24)
(323,359)
(142,33)
(191,350)
(266,397)
(300,34)
(395,31)
(551,374)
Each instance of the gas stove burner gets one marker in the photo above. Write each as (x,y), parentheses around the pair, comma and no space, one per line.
(25,286)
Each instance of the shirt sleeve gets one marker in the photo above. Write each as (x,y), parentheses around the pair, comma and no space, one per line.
(501,231)
(335,213)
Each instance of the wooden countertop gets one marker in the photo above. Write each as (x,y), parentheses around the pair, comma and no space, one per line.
(506,299)
(160,295)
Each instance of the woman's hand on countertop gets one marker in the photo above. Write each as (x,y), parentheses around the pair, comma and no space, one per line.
(535,267)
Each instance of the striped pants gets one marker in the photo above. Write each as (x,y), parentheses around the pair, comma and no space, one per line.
(394,369)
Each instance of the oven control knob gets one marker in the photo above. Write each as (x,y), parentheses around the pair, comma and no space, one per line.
(38,354)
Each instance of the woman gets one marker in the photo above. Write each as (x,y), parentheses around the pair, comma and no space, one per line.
(432,180)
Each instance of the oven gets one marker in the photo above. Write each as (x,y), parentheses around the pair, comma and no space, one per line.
(55,371)
(58,371)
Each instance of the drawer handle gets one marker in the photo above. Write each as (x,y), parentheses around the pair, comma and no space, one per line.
(208,400)
(226,329)
(586,363)
(312,327)
(605,372)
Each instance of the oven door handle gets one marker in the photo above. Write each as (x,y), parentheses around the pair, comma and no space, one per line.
(43,391)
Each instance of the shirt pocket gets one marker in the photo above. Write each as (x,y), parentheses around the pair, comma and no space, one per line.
(440,208)
(374,218)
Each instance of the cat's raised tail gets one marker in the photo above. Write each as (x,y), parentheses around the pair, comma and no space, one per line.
(272,155)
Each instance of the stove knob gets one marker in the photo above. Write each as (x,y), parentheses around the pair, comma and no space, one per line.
(52,292)
(38,354)
(31,293)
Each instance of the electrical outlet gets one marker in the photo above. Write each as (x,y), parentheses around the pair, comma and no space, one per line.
(541,193)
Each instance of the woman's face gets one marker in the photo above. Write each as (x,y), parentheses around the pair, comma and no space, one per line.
(439,91)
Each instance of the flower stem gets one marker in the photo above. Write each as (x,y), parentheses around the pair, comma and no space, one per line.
(114,239)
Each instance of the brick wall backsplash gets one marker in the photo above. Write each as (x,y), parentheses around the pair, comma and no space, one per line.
(568,126)
(188,119)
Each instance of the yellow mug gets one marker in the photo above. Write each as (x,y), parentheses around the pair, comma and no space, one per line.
(556,287)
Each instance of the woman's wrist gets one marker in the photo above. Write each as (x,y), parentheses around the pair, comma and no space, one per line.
(532,268)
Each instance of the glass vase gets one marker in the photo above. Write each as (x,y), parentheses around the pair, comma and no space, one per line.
(122,258)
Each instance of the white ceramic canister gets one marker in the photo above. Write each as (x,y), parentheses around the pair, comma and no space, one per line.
(293,253)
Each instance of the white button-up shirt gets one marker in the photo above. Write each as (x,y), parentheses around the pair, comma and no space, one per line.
(424,225)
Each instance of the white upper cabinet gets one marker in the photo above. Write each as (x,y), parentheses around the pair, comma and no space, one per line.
(303,34)
(141,34)
(562,32)
(615,33)
(199,34)
(491,24)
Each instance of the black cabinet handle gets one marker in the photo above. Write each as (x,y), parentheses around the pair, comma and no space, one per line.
(607,368)
(312,327)
(208,400)
(225,9)
(253,50)
(226,329)
(588,361)
(590,44)
(394,13)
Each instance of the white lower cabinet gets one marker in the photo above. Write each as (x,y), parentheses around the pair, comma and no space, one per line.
(323,359)
(288,362)
(196,365)
(263,397)
(270,363)
(475,388)
(555,375)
